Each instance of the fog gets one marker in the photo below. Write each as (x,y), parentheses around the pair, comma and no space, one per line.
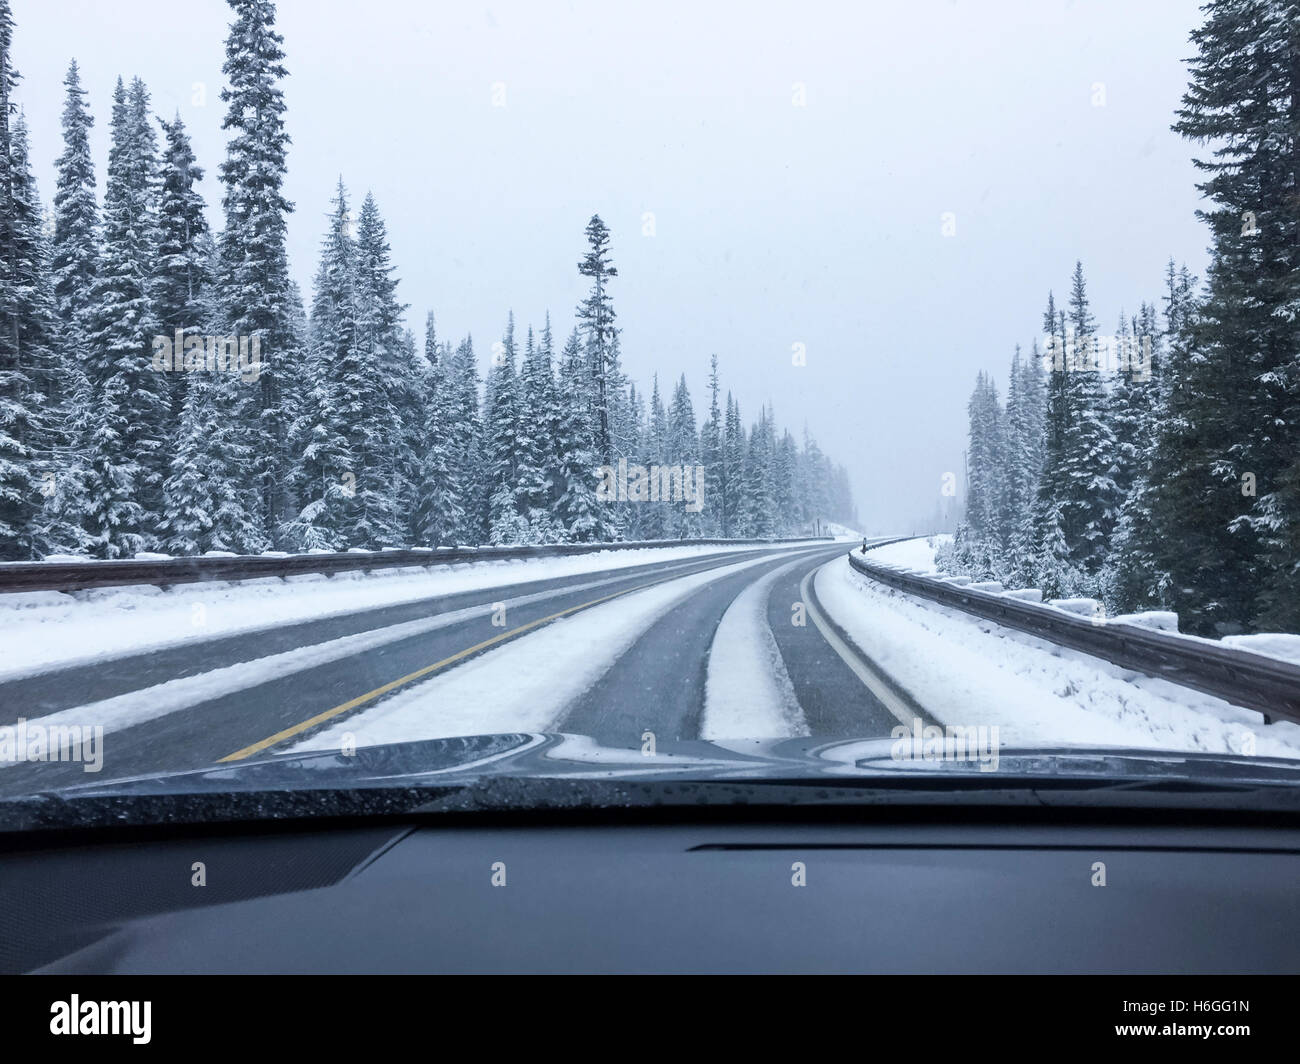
(773,173)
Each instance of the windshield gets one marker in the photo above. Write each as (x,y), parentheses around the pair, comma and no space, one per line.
(647,390)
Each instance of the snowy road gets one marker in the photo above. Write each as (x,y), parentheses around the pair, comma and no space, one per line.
(715,645)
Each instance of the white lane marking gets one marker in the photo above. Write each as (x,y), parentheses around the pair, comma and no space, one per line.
(874,683)
(748,693)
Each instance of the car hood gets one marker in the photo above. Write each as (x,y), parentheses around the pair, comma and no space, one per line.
(459,761)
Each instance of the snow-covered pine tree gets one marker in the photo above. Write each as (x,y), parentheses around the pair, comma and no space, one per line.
(1017,478)
(466,443)
(596,320)
(19,414)
(712,460)
(76,218)
(1242,389)
(1025,424)
(1092,497)
(1133,579)
(1053,567)
(1078,501)
(442,488)
(207,499)
(31,384)
(981,548)
(759,520)
(385,377)
(683,450)
(538,413)
(325,475)
(253,271)
(182,272)
(656,521)
(54,376)
(130,412)
(501,430)
(585,517)
(1123,400)
(783,470)
(74,260)
(733,463)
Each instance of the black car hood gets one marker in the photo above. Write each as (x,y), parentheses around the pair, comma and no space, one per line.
(459,761)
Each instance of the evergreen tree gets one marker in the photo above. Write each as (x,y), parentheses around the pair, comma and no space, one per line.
(327,475)
(683,453)
(182,271)
(74,260)
(501,424)
(256,295)
(76,220)
(538,415)
(206,497)
(785,503)
(439,509)
(733,465)
(596,319)
(1091,500)
(1238,485)
(383,374)
(130,403)
(657,522)
(466,439)
(759,520)
(584,516)
(714,467)
(53,376)
(18,403)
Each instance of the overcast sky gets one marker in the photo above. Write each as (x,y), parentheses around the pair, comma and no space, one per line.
(774,223)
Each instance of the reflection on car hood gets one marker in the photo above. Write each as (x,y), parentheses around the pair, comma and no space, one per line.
(460,761)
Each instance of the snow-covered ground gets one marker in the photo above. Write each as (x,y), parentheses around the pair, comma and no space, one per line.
(969,672)
(41,630)
(832,528)
(915,554)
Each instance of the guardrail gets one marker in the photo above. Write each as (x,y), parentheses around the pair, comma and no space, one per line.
(1269,685)
(162,572)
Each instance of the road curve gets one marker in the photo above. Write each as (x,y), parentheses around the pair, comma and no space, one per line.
(234,697)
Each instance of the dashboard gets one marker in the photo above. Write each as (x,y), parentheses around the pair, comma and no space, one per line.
(873,894)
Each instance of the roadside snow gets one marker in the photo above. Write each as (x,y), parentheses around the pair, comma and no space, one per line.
(970,672)
(748,693)
(526,685)
(41,630)
(915,554)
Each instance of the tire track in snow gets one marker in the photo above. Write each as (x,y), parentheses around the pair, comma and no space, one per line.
(748,693)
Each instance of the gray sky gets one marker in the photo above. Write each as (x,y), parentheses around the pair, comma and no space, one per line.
(775,224)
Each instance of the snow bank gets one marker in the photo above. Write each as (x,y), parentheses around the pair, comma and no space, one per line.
(915,554)
(970,672)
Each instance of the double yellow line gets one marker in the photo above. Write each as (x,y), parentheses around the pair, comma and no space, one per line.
(378,692)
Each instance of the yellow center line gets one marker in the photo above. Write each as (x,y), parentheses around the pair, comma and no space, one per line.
(370,696)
